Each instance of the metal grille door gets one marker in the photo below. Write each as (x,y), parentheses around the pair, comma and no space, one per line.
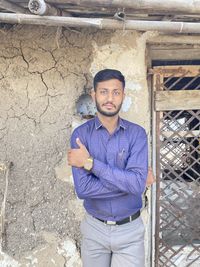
(177,106)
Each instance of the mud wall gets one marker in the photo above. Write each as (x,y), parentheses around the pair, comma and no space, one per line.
(43,71)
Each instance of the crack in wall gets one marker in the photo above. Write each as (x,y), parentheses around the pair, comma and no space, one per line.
(22,54)
(41,93)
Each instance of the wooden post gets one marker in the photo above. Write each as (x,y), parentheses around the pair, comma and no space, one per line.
(112,24)
(170,6)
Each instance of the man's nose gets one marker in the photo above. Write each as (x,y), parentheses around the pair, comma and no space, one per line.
(110,96)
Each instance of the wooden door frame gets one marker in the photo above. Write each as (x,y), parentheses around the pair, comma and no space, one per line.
(163,51)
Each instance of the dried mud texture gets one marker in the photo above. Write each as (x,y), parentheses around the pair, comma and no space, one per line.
(42,74)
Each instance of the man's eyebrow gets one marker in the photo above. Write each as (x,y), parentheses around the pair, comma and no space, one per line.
(115,89)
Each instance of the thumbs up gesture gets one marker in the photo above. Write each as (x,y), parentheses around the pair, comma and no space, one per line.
(78,156)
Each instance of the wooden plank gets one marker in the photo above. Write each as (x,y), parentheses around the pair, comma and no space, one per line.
(177,100)
(186,134)
(176,71)
(170,6)
(174,39)
(169,53)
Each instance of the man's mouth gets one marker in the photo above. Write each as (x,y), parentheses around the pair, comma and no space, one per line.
(109,105)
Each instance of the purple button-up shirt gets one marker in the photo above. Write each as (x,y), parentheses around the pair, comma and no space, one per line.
(113,189)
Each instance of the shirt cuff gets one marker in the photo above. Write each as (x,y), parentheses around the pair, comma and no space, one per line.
(97,168)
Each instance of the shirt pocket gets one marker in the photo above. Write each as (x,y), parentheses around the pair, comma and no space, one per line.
(121,159)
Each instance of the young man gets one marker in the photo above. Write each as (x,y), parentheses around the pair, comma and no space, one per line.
(110,164)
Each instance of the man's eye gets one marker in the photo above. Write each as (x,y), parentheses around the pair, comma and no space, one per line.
(103,92)
(117,93)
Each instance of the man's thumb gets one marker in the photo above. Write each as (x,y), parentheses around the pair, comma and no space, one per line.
(78,141)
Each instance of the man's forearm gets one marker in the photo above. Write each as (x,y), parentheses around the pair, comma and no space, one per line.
(129,181)
(87,185)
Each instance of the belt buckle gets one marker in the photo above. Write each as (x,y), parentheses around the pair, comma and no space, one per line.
(110,222)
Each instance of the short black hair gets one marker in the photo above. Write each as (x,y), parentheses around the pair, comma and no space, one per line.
(108,74)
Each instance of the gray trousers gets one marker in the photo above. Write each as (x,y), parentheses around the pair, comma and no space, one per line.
(112,246)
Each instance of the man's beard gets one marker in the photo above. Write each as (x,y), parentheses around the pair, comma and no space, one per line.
(108,113)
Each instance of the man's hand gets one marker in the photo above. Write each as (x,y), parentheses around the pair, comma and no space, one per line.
(150,177)
(78,157)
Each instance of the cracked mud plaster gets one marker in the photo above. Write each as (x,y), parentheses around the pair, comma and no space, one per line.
(40,83)
(126,52)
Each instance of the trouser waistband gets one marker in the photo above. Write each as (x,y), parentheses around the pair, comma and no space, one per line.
(125,220)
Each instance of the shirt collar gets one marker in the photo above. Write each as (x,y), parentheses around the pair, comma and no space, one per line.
(98,124)
(121,124)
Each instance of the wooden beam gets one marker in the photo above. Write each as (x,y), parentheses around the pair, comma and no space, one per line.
(12,7)
(176,71)
(174,39)
(170,53)
(170,6)
(177,100)
(161,26)
(185,134)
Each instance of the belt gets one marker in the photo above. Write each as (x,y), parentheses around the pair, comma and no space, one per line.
(125,220)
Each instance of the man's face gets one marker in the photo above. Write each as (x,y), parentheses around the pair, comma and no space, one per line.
(109,97)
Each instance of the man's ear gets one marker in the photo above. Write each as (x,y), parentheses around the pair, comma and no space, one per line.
(124,95)
(93,94)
